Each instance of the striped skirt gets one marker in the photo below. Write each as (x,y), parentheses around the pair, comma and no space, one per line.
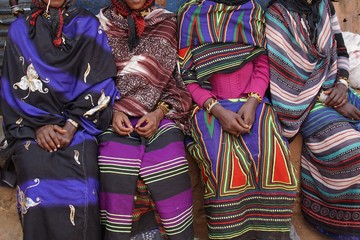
(160,162)
(330,171)
(58,191)
(250,185)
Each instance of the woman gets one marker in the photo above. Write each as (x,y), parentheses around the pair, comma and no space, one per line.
(56,95)
(309,90)
(145,141)
(250,186)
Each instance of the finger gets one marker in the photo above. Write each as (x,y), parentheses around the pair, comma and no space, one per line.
(357,114)
(127,123)
(331,100)
(341,103)
(50,142)
(43,143)
(142,122)
(56,140)
(59,129)
(242,123)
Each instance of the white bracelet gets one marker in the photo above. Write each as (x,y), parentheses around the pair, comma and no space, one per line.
(322,96)
(73,123)
(343,81)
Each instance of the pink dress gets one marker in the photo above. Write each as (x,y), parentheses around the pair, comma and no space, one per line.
(252,77)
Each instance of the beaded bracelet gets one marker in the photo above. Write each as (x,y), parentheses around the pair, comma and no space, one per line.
(212,104)
(163,106)
(255,95)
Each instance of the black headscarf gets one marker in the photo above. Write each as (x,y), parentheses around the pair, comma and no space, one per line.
(310,9)
(231,2)
(53,16)
(135,19)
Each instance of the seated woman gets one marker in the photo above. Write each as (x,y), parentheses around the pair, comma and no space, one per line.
(250,185)
(57,89)
(309,91)
(145,141)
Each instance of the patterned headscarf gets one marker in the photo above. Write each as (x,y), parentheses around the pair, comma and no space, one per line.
(308,7)
(135,19)
(54,16)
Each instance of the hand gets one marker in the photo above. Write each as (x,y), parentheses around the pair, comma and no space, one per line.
(149,123)
(121,124)
(348,110)
(66,134)
(47,137)
(336,96)
(247,111)
(230,121)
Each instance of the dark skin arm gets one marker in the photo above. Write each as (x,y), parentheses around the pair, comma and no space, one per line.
(149,123)
(235,123)
(348,110)
(336,96)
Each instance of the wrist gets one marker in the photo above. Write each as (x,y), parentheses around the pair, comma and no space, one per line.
(159,113)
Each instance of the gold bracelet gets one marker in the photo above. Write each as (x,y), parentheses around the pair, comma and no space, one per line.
(163,106)
(73,123)
(255,95)
(212,104)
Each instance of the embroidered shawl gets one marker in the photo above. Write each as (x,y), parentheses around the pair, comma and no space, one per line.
(298,68)
(43,84)
(147,73)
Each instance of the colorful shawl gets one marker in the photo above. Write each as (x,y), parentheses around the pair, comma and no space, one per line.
(44,84)
(147,73)
(215,37)
(299,69)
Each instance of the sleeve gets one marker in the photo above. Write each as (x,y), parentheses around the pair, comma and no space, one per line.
(199,94)
(343,56)
(177,96)
(260,77)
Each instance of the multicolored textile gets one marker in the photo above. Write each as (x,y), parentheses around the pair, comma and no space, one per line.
(330,162)
(43,84)
(215,38)
(160,162)
(250,185)
(148,73)
(298,68)
(330,171)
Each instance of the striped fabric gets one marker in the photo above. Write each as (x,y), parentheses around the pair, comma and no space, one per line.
(330,171)
(298,69)
(148,73)
(250,185)
(201,45)
(160,162)
(330,161)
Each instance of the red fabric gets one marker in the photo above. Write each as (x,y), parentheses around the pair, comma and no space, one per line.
(125,11)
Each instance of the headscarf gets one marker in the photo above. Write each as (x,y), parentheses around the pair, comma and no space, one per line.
(135,19)
(54,17)
(308,7)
